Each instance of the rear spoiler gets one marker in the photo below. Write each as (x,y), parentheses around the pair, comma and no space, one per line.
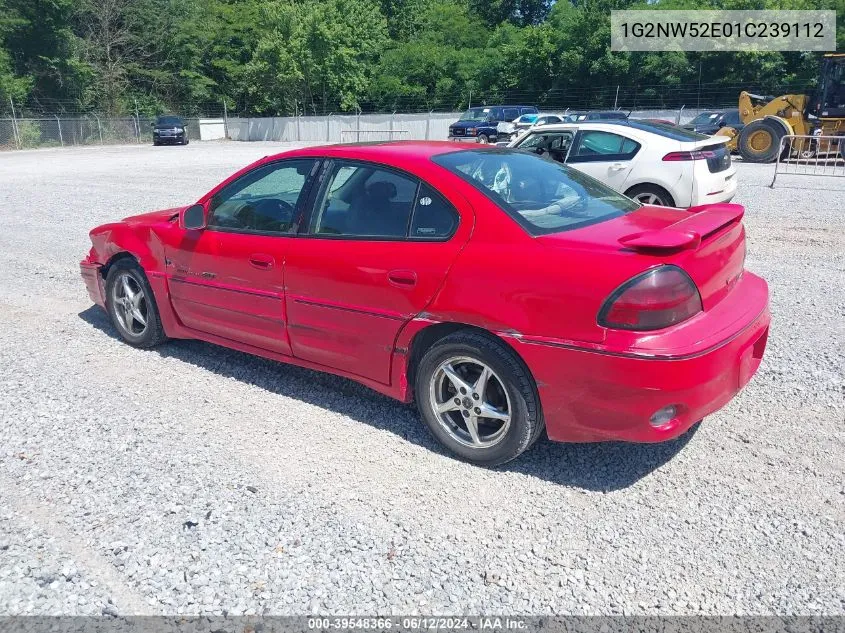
(704,220)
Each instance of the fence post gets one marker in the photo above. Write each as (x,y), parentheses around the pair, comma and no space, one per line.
(99,129)
(328,127)
(298,132)
(15,131)
(137,122)
(428,125)
(358,125)
(392,119)
(225,121)
(61,138)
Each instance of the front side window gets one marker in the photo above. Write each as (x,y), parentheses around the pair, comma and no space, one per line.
(476,114)
(541,195)
(267,199)
(595,145)
(555,144)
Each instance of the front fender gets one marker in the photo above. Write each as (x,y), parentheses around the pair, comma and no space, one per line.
(110,240)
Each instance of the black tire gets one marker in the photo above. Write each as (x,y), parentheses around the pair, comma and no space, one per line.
(759,141)
(156,143)
(151,333)
(511,380)
(185,141)
(643,193)
(483,139)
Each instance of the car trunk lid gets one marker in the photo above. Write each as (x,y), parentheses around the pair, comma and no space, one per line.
(715,150)
(708,242)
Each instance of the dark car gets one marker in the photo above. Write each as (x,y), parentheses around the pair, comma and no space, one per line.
(598,115)
(169,129)
(481,124)
(712,121)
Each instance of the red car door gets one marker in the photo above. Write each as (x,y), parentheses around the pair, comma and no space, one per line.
(378,246)
(228,279)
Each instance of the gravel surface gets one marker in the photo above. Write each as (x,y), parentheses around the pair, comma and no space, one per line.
(193,479)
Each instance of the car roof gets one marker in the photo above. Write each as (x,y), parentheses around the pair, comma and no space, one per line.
(666,131)
(378,151)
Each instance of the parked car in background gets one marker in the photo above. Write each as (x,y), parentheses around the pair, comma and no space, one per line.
(711,122)
(652,163)
(598,115)
(169,130)
(481,124)
(658,121)
(525,122)
(506,294)
(546,119)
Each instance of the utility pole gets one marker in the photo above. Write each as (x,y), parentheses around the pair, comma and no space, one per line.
(699,84)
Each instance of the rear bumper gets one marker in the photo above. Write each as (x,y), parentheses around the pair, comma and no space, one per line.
(590,396)
(90,272)
(711,188)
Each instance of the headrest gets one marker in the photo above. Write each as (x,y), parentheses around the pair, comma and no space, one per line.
(382,189)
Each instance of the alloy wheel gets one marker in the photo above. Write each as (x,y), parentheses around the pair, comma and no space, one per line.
(649,198)
(470,402)
(130,305)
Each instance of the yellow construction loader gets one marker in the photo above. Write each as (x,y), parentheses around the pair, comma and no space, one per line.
(768,119)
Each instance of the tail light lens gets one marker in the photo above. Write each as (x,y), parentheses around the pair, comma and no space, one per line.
(694,155)
(653,300)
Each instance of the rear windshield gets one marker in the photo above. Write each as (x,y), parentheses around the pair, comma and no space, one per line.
(668,131)
(544,196)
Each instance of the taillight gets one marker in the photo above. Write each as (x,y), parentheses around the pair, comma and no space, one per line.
(655,299)
(694,155)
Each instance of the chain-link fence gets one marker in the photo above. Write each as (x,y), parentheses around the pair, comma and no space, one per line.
(24,133)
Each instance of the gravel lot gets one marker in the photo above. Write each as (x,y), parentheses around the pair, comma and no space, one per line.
(194,479)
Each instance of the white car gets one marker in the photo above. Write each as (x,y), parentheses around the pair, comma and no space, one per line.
(526,121)
(649,162)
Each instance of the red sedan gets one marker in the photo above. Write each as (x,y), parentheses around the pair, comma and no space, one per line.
(505,293)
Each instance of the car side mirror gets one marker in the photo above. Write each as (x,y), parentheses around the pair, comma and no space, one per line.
(192,218)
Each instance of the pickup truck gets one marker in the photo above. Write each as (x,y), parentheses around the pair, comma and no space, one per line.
(480,125)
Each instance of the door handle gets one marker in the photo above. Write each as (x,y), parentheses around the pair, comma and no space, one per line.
(261,261)
(617,166)
(402,278)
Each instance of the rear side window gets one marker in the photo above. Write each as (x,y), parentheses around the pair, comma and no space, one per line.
(511,114)
(531,110)
(594,145)
(366,202)
(433,218)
